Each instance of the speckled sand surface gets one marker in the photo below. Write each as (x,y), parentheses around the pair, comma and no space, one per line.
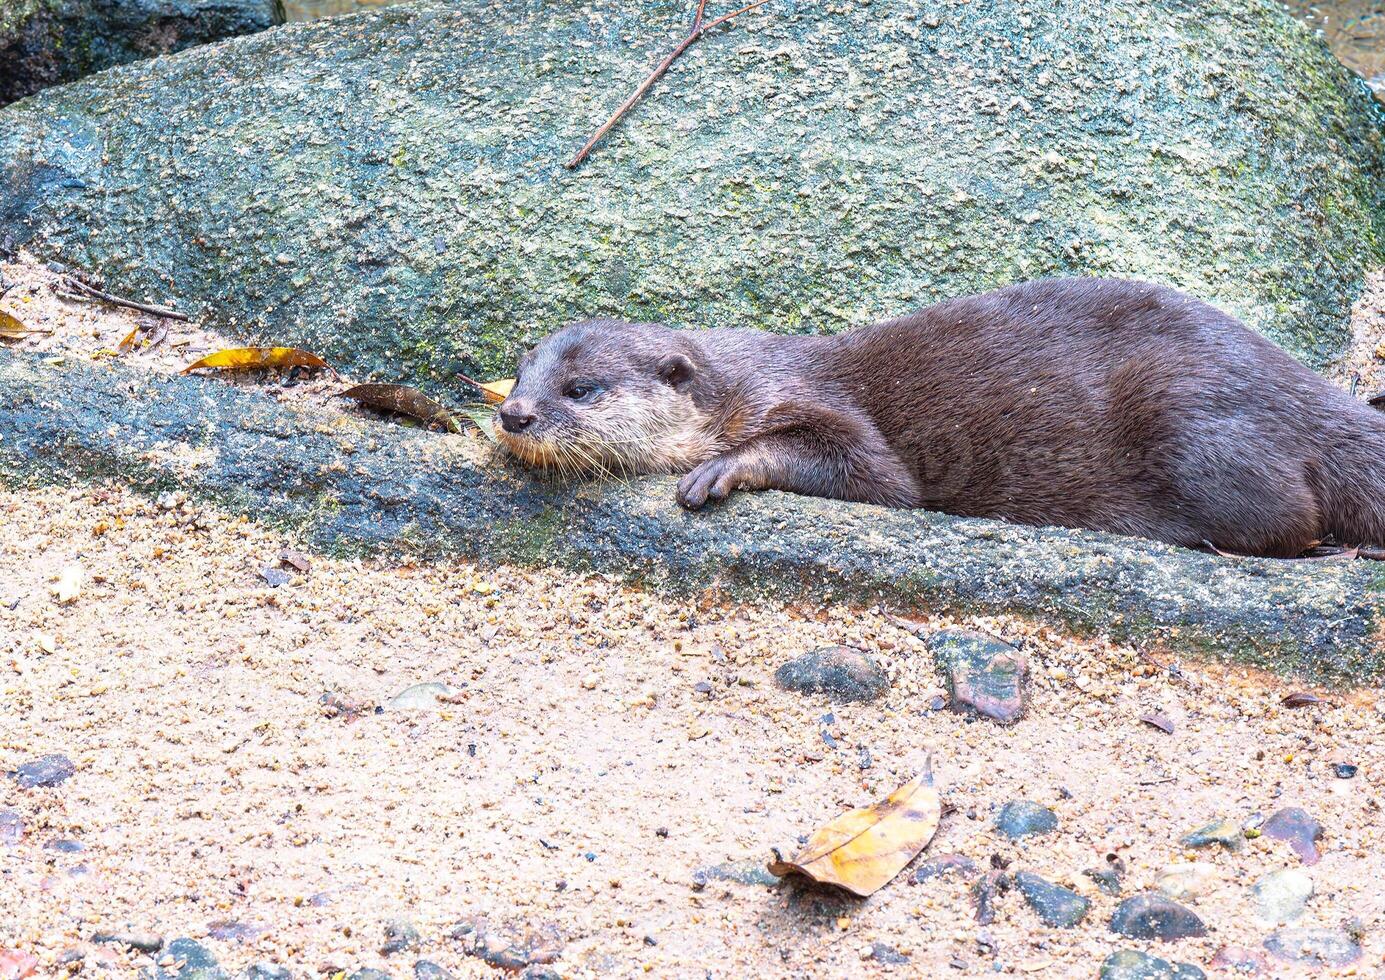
(231,765)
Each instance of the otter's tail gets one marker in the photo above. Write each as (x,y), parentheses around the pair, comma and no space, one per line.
(1352,478)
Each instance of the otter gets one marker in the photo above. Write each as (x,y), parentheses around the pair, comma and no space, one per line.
(1103,404)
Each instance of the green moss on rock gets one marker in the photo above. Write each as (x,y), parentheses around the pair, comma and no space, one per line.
(389,189)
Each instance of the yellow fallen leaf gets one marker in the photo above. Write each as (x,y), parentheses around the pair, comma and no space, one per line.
(11,328)
(69,585)
(245,358)
(128,343)
(863,849)
(496,392)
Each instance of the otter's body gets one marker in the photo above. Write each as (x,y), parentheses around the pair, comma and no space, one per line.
(1103,404)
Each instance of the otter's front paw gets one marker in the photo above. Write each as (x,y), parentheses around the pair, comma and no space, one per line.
(712,480)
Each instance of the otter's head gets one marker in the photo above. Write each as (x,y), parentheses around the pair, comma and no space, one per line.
(606,395)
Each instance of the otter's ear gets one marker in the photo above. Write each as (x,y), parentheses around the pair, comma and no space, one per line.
(676,370)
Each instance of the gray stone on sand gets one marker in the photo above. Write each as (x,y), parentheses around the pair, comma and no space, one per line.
(842,673)
(266,971)
(1134,964)
(1187,880)
(428,970)
(1298,828)
(45,771)
(1314,947)
(739,872)
(400,935)
(811,167)
(984,675)
(1108,880)
(946,865)
(1227,833)
(1025,818)
(143,942)
(1281,897)
(887,954)
(1155,916)
(1057,906)
(197,961)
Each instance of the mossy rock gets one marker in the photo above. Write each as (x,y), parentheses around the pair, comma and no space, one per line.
(388,188)
(46,42)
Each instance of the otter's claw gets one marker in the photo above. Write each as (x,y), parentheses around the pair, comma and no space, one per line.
(712,480)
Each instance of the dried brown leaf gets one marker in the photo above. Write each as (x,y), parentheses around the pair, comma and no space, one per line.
(1161,722)
(861,850)
(403,400)
(1301,699)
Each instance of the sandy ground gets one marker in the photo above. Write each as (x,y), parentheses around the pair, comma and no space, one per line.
(233,763)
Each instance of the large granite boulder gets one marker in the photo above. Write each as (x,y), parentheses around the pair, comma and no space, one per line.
(45,42)
(388,188)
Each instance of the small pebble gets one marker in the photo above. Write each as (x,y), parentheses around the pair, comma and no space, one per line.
(1315,947)
(1191,880)
(842,673)
(1155,916)
(43,772)
(1057,906)
(984,675)
(1223,832)
(946,864)
(1023,818)
(1133,964)
(400,935)
(1281,897)
(1301,831)
(11,828)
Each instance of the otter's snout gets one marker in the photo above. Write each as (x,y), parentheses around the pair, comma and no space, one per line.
(516,415)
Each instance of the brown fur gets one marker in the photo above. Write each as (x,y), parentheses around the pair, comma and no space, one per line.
(1104,404)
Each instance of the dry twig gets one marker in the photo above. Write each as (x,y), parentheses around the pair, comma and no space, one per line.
(129,304)
(699,27)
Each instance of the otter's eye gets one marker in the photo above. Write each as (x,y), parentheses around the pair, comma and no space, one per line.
(581,391)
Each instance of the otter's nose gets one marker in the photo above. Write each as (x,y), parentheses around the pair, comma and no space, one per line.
(515,416)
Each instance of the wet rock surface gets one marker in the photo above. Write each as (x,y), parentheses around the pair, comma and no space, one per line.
(404,230)
(1155,916)
(984,675)
(843,674)
(438,494)
(48,42)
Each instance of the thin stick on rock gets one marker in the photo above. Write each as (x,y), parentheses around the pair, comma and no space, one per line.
(129,304)
(698,29)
